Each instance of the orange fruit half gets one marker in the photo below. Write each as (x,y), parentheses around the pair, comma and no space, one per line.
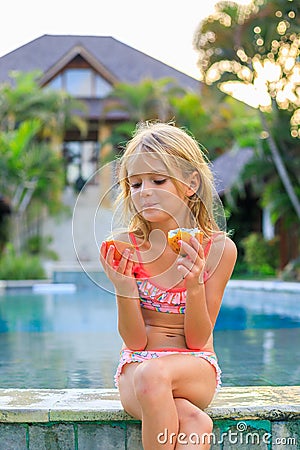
(120,247)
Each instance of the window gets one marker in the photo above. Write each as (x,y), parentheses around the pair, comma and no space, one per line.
(78,82)
(81,160)
(81,83)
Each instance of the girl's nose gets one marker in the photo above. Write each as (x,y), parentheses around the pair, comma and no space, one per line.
(145,189)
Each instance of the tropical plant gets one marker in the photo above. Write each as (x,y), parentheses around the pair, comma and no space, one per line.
(31,176)
(261,255)
(29,169)
(147,100)
(32,124)
(24,99)
(164,100)
(256,46)
(20,266)
(39,246)
(217,121)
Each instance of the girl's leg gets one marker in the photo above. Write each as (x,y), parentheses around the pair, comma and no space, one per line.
(148,391)
(195,426)
(153,389)
(147,395)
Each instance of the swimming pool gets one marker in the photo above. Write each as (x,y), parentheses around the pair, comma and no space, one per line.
(70,340)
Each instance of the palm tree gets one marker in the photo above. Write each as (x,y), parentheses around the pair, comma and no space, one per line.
(211,118)
(33,121)
(31,175)
(24,99)
(239,44)
(148,100)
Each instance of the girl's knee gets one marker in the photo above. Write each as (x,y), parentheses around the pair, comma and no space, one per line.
(151,380)
(191,417)
(206,423)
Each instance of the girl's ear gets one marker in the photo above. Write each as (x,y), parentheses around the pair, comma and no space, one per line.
(193,184)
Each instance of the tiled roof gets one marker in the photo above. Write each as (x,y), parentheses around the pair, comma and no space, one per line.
(123,62)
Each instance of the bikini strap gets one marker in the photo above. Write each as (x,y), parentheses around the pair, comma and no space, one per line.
(138,269)
(207,248)
(209,244)
(134,243)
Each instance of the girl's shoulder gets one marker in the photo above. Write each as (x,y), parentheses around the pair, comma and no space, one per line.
(222,250)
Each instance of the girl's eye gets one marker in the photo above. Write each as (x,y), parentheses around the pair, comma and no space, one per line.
(160,181)
(138,184)
(135,185)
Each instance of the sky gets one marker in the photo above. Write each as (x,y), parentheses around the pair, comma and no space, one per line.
(162,29)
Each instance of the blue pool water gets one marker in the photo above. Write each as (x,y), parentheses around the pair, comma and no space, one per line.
(66,340)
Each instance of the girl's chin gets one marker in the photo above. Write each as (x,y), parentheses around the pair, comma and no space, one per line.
(154,214)
(151,214)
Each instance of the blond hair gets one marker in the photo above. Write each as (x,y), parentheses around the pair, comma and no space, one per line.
(170,143)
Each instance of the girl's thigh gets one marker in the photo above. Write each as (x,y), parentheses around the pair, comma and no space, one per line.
(127,392)
(189,377)
(192,378)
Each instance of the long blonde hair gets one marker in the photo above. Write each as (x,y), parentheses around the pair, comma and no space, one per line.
(168,142)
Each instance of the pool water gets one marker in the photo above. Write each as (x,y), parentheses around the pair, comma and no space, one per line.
(70,340)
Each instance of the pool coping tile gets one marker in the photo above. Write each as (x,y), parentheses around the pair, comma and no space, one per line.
(27,405)
(89,405)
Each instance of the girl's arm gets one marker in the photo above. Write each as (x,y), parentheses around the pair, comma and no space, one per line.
(197,323)
(204,300)
(131,324)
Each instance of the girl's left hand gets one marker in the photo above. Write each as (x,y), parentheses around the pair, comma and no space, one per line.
(192,265)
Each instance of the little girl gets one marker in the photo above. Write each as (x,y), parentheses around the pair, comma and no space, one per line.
(168,303)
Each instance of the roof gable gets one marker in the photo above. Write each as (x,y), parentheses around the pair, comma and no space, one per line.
(78,50)
(113,59)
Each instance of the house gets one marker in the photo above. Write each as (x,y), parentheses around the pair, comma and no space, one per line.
(88,68)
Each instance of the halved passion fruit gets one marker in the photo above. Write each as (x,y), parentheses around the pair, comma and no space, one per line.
(183,234)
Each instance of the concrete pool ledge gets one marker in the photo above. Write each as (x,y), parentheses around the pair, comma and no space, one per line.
(265,285)
(82,418)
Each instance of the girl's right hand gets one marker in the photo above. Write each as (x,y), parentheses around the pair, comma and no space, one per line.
(120,275)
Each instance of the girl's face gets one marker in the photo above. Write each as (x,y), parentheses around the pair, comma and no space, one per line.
(153,192)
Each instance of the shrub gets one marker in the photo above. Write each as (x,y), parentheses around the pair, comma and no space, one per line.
(20,267)
(261,256)
(39,245)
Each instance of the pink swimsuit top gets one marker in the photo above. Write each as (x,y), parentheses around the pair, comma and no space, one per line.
(157,298)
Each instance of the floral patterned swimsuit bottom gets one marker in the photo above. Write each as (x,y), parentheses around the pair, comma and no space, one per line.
(168,301)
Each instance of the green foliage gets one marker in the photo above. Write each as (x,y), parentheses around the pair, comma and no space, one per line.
(39,245)
(164,100)
(117,140)
(33,120)
(29,165)
(254,45)
(20,267)
(25,99)
(209,125)
(147,100)
(261,256)
(244,123)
